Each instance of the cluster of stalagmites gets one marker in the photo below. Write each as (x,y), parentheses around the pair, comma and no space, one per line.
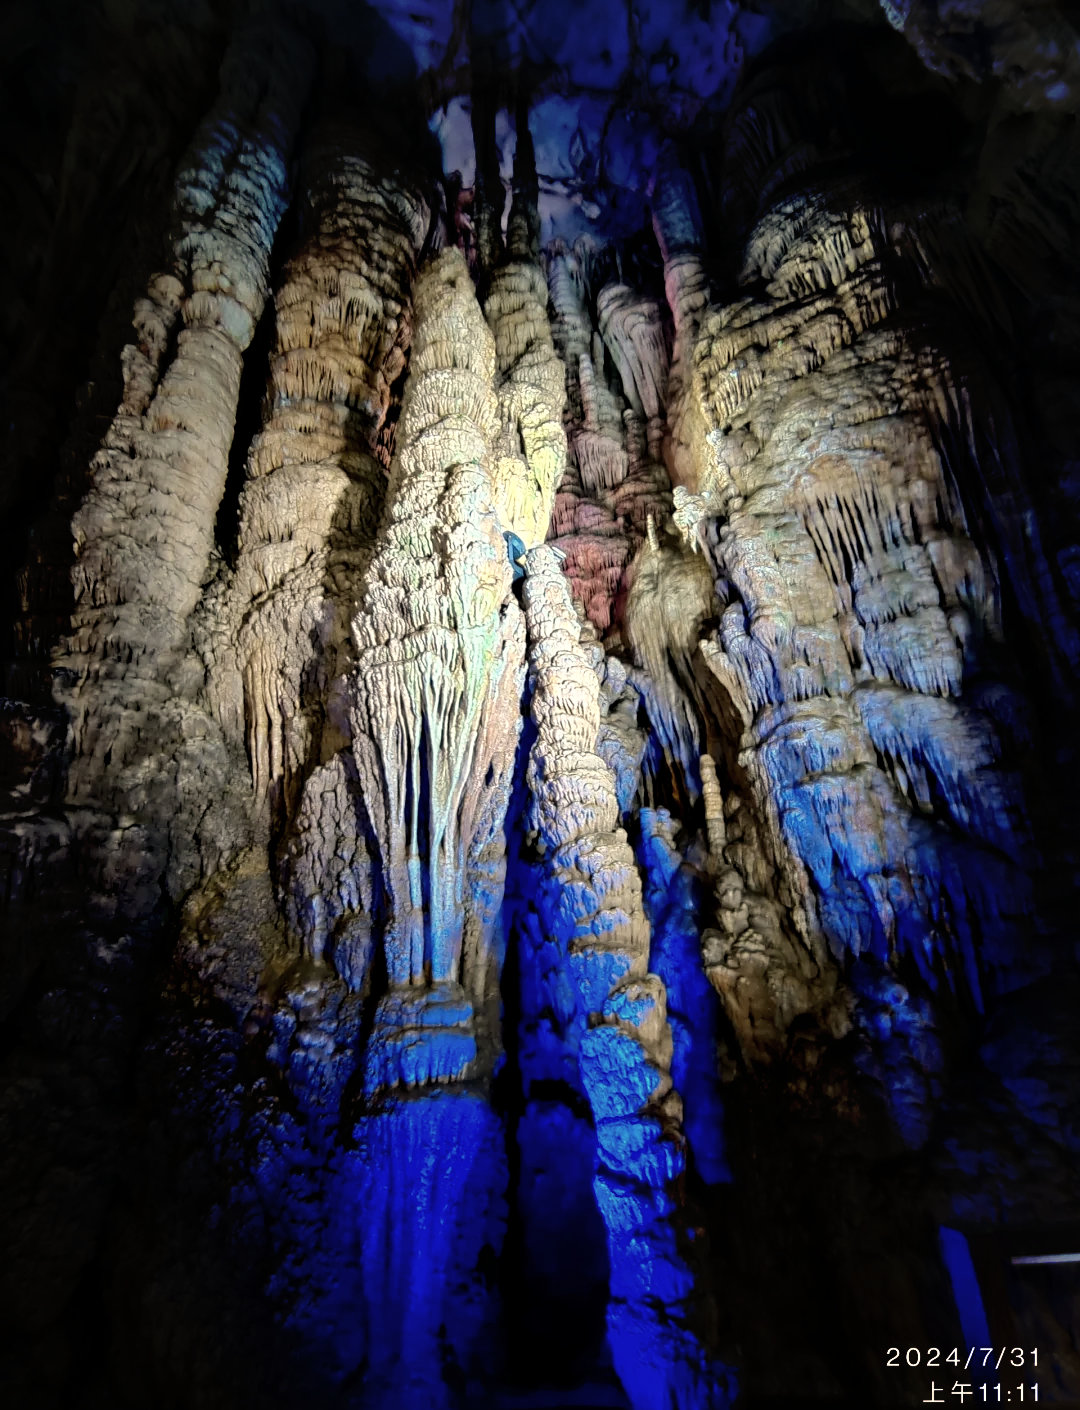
(145,533)
(145,764)
(278,631)
(615,485)
(145,758)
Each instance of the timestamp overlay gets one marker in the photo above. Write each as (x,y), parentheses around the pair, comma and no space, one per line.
(977,1375)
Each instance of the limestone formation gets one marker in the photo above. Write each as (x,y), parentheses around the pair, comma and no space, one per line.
(548,874)
(667,606)
(530,455)
(585,528)
(595,920)
(316,472)
(614,480)
(433,700)
(857,600)
(677,223)
(145,532)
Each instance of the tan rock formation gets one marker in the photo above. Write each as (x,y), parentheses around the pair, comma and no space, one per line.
(713,801)
(632,326)
(574,808)
(677,224)
(145,531)
(614,480)
(858,596)
(317,470)
(667,605)
(530,455)
(434,699)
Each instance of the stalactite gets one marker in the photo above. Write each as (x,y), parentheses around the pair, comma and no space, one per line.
(763,872)
(530,454)
(677,223)
(860,600)
(586,530)
(633,329)
(571,330)
(766,978)
(523,225)
(614,480)
(489,196)
(433,699)
(669,600)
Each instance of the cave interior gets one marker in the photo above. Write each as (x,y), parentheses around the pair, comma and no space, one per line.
(538,740)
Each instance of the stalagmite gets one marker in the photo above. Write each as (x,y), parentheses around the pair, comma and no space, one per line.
(571,329)
(713,799)
(594,917)
(317,469)
(763,974)
(434,696)
(145,532)
(678,227)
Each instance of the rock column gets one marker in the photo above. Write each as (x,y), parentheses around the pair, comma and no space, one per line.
(276,635)
(435,696)
(530,455)
(145,531)
(592,902)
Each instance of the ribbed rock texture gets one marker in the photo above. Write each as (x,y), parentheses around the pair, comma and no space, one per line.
(316,472)
(145,531)
(860,640)
(616,491)
(116,824)
(530,452)
(592,931)
(434,698)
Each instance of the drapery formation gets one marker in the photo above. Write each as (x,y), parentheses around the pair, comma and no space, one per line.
(530,451)
(316,472)
(859,644)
